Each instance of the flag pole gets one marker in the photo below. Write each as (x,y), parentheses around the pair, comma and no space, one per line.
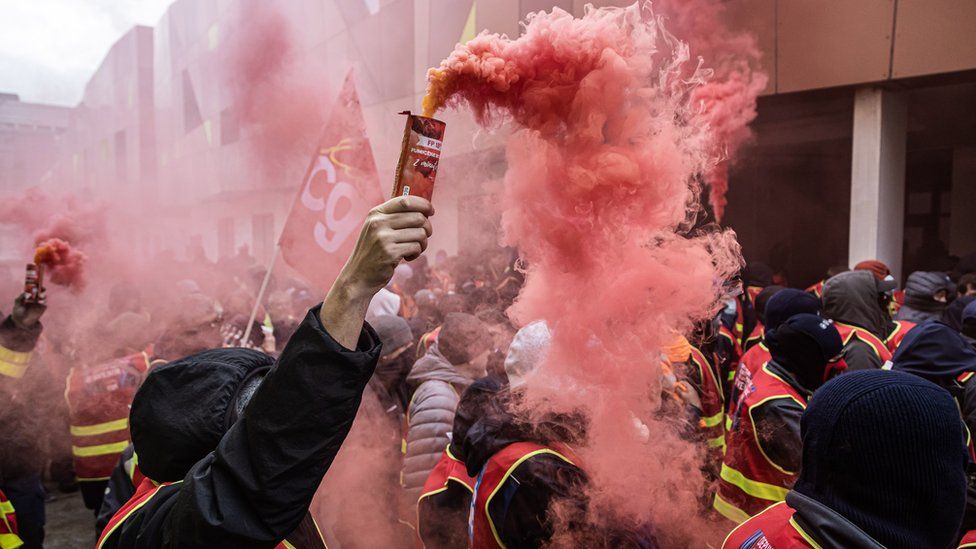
(257,303)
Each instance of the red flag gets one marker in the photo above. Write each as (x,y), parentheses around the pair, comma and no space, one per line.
(339,188)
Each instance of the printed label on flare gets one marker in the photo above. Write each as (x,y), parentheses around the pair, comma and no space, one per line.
(419,156)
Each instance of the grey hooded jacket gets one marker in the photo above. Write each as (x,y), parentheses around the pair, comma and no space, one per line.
(853,298)
(437,386)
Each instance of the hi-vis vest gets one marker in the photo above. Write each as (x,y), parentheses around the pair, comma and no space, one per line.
(712,400)
(969,540)
(98,399)
(816,290)
(482,531)
(450,472)
(750,481)
(848,333)
(8,524)
(755,337)
(898,333)
(752,361)
(773,528)
(149,489)
(13,364)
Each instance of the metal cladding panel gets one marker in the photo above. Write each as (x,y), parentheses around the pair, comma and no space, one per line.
(759,18)
(934,36)
(827,43)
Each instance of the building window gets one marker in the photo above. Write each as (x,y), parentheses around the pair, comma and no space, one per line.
(225,237)
(262,234)
(191,109)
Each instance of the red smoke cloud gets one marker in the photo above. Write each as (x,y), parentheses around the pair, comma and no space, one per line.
(599,191)
(726,101)
(64,265)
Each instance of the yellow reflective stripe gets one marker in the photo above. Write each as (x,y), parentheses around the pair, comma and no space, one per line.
(13,363)
(717,442)
(728,423)
(804,535)
(113,527)
(287,544)
(729,511)
(100,428)
(10,541)
(754,488)
(99,450)
(6,507)
(713,421)
(10,369)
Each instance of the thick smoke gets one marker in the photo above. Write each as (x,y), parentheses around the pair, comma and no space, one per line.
(726,101)
(598,195)
(65,265)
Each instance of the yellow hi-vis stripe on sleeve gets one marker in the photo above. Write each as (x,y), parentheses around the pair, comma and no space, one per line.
(10,541)
(752,487)
(13,363)
(100,428)
(100,450)
(717,442)
(713,421)
(729,511)
(6,507)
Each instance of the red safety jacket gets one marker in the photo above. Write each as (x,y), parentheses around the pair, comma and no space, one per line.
(755,337)
(146,491)
(969,540)
(712,400)
(898,333)
(483,532)
(816,289)
(773,528)
(752,361)
(98,403)
(749,481)
(849,332)
(449,470)
(8,524)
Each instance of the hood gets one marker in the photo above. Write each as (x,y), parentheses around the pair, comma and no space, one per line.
(184,408)
(827,527)
(853,298)
(935,352)
(952,315)
(434,367)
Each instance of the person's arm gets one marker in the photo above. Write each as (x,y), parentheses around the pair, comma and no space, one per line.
(256,487)
(860,356)
(117,492)
(777,424)
(19,333)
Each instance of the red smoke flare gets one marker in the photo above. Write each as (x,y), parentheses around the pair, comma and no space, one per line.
(65,265)
(599,189)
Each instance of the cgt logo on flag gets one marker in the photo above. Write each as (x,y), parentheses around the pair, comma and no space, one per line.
(339,188)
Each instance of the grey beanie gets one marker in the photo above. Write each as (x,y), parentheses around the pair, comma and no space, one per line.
(394,332)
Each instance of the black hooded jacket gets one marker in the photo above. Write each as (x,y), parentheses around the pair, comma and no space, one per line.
(853,298)
(249,485)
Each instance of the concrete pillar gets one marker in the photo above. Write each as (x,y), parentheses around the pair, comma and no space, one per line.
(962,227)
(878,177)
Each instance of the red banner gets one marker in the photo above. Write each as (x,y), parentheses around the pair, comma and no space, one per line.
(339,188)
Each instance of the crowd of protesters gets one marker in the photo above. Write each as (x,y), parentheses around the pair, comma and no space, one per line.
(833,416)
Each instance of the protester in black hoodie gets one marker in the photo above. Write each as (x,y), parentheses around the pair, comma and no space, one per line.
(884,466)
(237,471)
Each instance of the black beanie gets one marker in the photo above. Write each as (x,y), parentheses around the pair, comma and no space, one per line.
(763,298)
(886,450)
(803,345)
(787,303)
(462,337)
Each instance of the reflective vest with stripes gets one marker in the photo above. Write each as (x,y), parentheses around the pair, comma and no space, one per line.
(816,289)
(969,540)
(712,400)
(449,472)
(755,337)
(482,531)
(98,403)
(848,333)
(13,364)
(898,333)
(774,528)
(149,489)
(750,481)
(754,359)
(8,524)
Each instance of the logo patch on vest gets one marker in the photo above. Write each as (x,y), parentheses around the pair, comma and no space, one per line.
(757,541)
